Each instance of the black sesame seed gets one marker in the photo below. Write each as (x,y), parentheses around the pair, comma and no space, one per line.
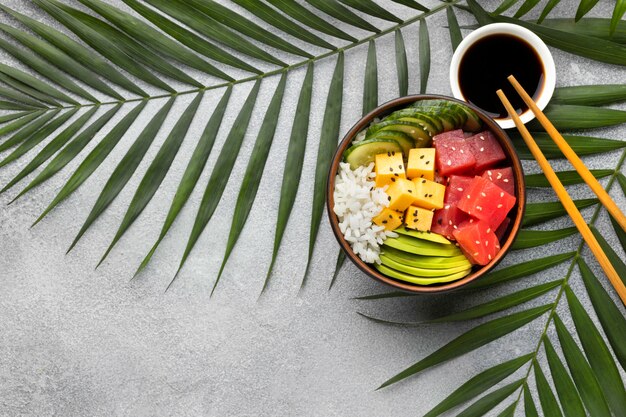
(399,166)
(395,175)
(427,162)
(415,220)
(428,231)
(393,153)
(411,191)
(389,198)
(439,221)
(425,195)
(393,179)
(421,156)
(422,176)
(388,153)
(430,195)
(423,181)
(390,169)
(384,221)
(390,216)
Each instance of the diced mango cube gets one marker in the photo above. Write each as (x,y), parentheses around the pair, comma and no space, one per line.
(421,163)
(418,218)
(429,194)
(389,219)
(389,168)
(401,194)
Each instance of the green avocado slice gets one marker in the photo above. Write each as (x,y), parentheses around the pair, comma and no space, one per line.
(432,237)
(429,262)
(390,272)
(422,272)
(421,247)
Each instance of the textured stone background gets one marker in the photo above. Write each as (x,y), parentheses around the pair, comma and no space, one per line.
(75,341)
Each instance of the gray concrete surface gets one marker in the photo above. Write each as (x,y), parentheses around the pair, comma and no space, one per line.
(75,341)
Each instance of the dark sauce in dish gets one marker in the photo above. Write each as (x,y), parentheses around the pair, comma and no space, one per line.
(485,66)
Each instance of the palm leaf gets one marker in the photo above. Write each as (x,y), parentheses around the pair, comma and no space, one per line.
(584,378)
(598,354)
(542,212)
(453,27)
(479,384)
(33,84)
(221,172)
(192,173)
(60,60)
(551,4)
(11,105)
(103,45)
(237,22)
(341,259)
(212,29)
(370,84)
(424,55)
(489,401)
(305,16)
(546,397)
(617,262)
(152,38)
(71,150)
(28,130)
(609,315)
(328,142)
(95,157)
(5,118)
(509,411)
(123,171)
(618,13)
(582,145)
(20,123)
(533,238)
(521,270)
(573,117)
(373,9)
(77,51)
(402,67)
(584,7)
(38,136)
(254,171)
(189,38)
(277,20)
(335,9)
(590,95)
(566,177)
(527,6)
(595,27)
(485,309)
(529,405)
(52,147)
(14,95)
(473,339)
(504,6)
(412,3)
(26,89)
(156,171)
(293,165)
(565,388)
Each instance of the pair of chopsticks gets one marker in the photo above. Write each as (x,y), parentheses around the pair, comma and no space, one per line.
(558,187)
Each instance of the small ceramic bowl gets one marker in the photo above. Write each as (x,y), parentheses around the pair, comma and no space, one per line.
(535,42)
(515,215)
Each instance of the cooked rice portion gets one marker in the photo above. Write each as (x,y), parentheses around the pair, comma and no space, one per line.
(357,201)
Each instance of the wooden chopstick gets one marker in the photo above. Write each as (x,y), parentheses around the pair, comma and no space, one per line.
(567,201)
(569,153)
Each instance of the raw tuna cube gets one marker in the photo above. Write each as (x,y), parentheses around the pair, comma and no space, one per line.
(502,177)
(453,154)
(478,241)
(456,186)
(447,220)
(502,228)
(486,201)
(486,149)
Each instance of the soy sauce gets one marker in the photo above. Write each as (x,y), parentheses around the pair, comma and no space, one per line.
(485,66)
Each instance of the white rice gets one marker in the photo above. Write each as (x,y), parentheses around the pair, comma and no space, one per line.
(357,201)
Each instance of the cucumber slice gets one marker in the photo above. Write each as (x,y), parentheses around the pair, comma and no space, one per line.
(428,123)
(403,139)
(364,152)
(414,130)
(473,122)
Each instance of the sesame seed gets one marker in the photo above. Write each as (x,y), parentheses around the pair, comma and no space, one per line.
(483,194)
(450,222)
(439,221)
(488,229)
(390,169)
(453,148)
(399,166)
(455,227)
(421,156)
(478,242)
(422,176)
(393,179)
(502,194)
(459,189)
(499,205)
(384,221)
(468,197)
(479,208)
(430,195)
(482,149)
(415,220)
(475,254)
(486,243)
(390,216)
(427,162)
(423,181)
(489,256)
(471,220)
(499,175)
(461,150)
(447,206)
(389,198)
(388,153)
(395,174)
(426,195)
(482,137)
(449,162)
(505,180)
(489,173)
(411,191)
(393,153)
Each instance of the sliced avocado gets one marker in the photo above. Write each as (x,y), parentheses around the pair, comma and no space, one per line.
(421,247)
(421,272)
(433,237)
(364,152)
(420,280)
(429,262)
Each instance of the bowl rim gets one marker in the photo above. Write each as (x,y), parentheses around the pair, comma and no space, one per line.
(520,188)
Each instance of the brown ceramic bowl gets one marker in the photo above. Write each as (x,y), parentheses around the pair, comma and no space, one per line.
(516,213)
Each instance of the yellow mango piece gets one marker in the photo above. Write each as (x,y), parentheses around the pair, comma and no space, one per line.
(389,167)
(401,194)
(389,219)
(421,163)
(418,218)
(429,194)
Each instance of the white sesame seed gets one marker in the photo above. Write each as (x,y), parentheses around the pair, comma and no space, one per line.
(486,243)
(475,253)
(459,189)
(488,229)
(447,206)
(453,148)
(489,173)
(479,208)
(449,162)
(505,180)
(499,205)
(462,151)
(471,220)
(468,197)
(455,227)
(450,222)
(482,137)
(483,194)
(482,149)
(502,194)
(489,256)
(478,242)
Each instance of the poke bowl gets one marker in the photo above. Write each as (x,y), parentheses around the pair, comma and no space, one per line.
(425,193)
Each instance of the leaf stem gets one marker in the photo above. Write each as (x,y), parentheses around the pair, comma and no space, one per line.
(281,70)
(568,275)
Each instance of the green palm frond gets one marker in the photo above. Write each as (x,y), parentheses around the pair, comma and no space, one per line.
(108,64)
